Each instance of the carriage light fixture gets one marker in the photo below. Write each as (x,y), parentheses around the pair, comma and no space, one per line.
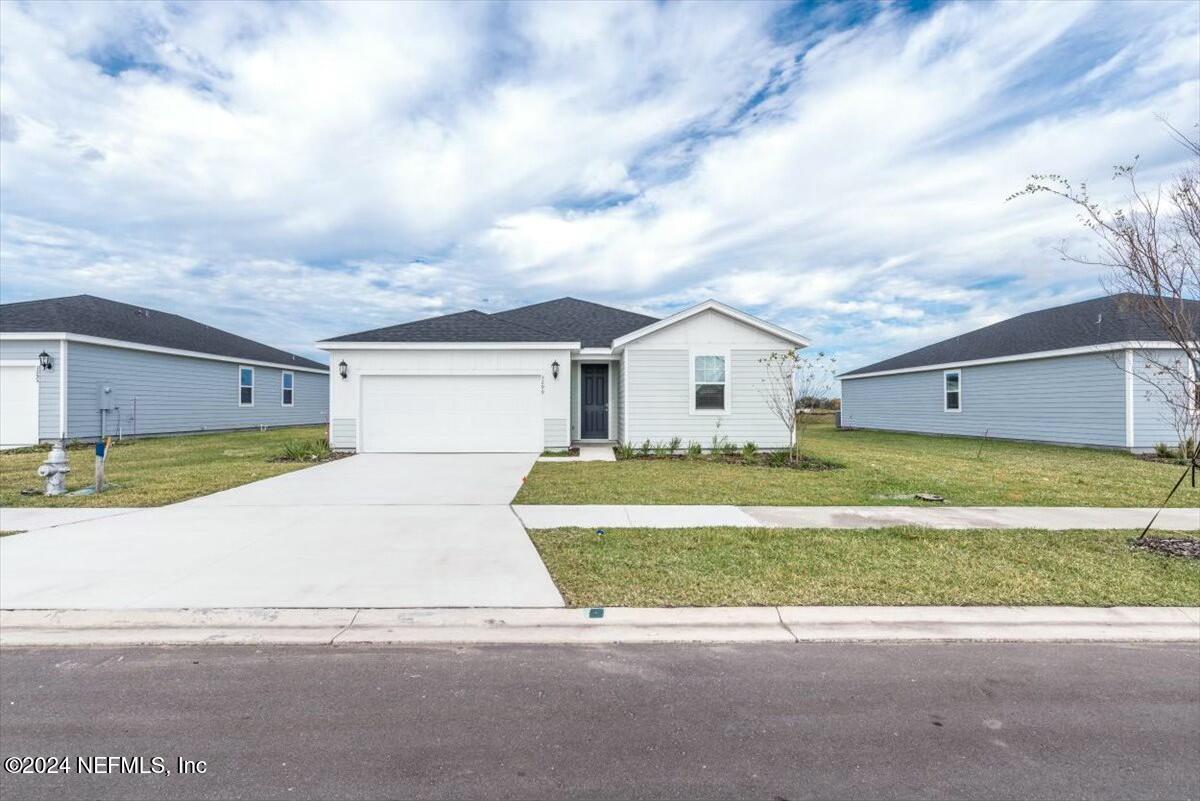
(44,361)
(343,370)
(554,369)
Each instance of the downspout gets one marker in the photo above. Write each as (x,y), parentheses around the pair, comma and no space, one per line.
(1129,432)
(62,389)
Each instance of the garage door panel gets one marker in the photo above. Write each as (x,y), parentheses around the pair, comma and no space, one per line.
(18,405)
(423,414)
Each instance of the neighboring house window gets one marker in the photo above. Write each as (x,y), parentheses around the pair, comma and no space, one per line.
(245,386)
(710,386)
(952,380)
(288,390)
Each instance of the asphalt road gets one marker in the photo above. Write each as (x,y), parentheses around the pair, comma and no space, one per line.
(758,721)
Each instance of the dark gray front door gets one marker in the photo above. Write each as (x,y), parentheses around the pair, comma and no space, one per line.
(593,394)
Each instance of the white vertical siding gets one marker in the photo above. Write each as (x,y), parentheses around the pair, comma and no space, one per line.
(1076,400)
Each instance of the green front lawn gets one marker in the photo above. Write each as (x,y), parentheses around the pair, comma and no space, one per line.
(159,470)
(896,566)
(879,468)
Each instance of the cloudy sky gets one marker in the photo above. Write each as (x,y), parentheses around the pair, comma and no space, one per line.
(291,171)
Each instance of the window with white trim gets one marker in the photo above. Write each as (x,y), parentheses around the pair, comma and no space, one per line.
(710,388)
(245,386)
(288,382)
(952,390)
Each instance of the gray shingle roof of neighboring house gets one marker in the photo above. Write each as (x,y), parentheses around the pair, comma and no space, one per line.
(1099,321)
(562,320)
(91,316)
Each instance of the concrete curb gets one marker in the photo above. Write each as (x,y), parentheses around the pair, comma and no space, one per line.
(578,626)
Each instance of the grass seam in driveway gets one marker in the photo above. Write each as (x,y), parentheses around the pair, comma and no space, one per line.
(723,566)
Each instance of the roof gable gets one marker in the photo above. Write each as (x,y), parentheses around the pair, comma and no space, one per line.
(720,308)
(88,315)
(1099,321)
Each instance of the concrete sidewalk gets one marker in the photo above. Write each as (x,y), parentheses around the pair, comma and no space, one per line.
(850,517)
(582,626)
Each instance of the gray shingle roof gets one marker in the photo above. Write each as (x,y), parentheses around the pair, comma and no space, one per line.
(98,317)
(1099,321)
(467,326)
(573,320)
(562,320)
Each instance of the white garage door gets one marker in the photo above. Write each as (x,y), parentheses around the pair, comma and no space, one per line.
(451,414)
(18,405)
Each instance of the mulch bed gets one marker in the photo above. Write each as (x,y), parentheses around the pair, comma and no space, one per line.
(758,460)
(1186,547)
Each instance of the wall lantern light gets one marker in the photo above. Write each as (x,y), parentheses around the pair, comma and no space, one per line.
(343,370)
(554,369)
(44,361)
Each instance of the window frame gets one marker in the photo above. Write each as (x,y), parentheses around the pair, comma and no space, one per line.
(727,383)
(242,386)
(284,389)
(959,392)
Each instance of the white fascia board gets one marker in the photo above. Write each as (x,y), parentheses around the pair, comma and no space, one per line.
(120,343)
(1018,357)
(335,346)
(714,305)
(595,354)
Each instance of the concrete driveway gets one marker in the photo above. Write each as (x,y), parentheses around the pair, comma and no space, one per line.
(376,530)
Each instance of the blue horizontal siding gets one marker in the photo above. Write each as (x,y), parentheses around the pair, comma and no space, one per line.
(1078,400)
(1153,420)
(176,394)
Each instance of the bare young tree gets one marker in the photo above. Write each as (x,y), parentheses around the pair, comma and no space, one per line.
(788,377)
(1151,250)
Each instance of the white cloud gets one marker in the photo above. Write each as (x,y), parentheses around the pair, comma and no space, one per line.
(364,163)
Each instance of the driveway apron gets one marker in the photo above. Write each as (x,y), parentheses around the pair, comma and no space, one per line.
(374,530)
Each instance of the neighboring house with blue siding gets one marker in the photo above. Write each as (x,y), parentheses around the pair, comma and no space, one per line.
(554,374)
(1080,374)
(84,367)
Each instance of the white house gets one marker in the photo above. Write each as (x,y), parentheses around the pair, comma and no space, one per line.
(552,374)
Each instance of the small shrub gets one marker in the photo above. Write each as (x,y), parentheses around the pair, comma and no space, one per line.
(729,449)
(673,446)
(661,449)
(749,451)
(625,450)
(777,458)
(694,449)
(644,449)
(304,450)
(1164,451)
